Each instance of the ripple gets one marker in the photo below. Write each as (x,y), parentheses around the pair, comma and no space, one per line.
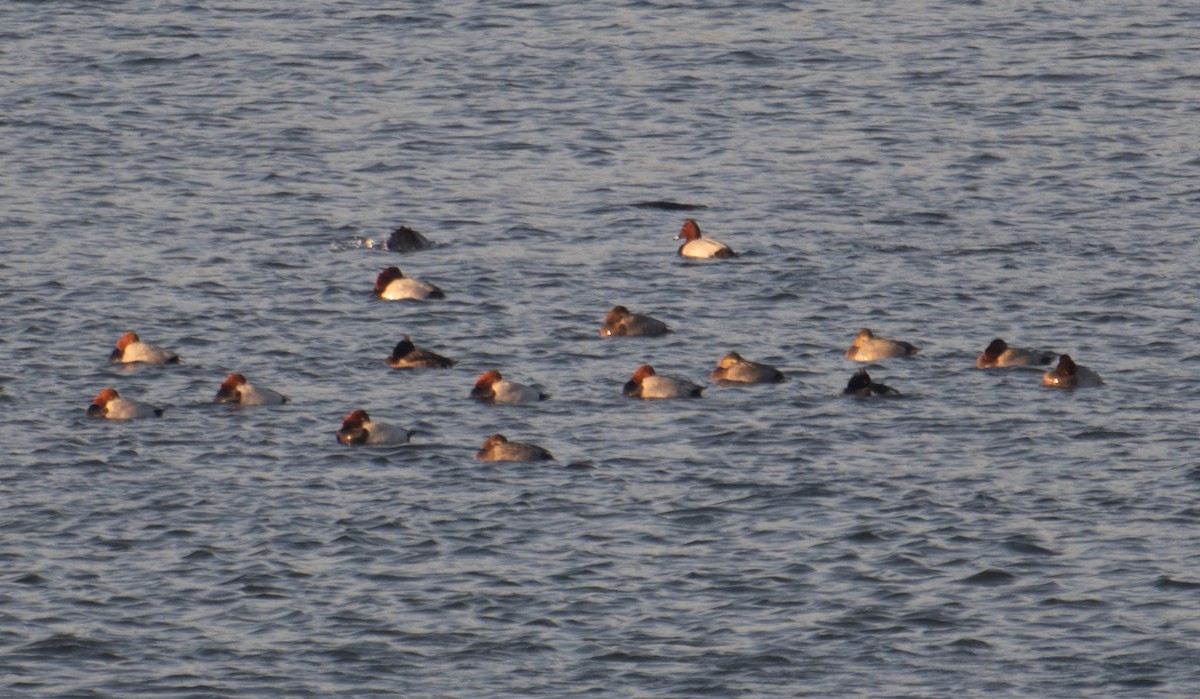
(990,577)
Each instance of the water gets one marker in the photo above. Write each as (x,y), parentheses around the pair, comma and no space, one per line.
(942,172)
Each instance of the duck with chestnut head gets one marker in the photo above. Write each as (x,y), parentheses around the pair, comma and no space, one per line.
(492,387)
(697,246)
(358,429)
(648,384)
(130,349)
(109,405)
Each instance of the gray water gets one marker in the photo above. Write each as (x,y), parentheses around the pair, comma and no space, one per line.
(209,174)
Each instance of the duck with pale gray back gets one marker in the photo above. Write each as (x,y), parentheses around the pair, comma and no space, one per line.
(695,245)
(869,348)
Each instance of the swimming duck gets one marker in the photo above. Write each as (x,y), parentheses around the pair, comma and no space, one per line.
(405,239)
(491,387)
(110,405)
(696,246)
(391,285)
(1068,374)
(619,322)
(498,448)
(236,389)
(868,348)
(999,354)
(645,383)
(861,385)
(130,349)
(733,368)
(358,429)
(406,356)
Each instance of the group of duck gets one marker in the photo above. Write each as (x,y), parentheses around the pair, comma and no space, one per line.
(491,387)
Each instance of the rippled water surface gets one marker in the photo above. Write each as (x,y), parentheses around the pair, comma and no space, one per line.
(215,175)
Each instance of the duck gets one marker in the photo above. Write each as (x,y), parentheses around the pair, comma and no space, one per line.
(109,405)
(1068,374)
(999,354)
(392,285)
(868,348)
(358,430)
(405,355)
(498,448)
(619,322)
(131,349)
(861,385)
(732,368)
(405,239)
(492,387)
(236,389)
(696,246)
(645,383)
